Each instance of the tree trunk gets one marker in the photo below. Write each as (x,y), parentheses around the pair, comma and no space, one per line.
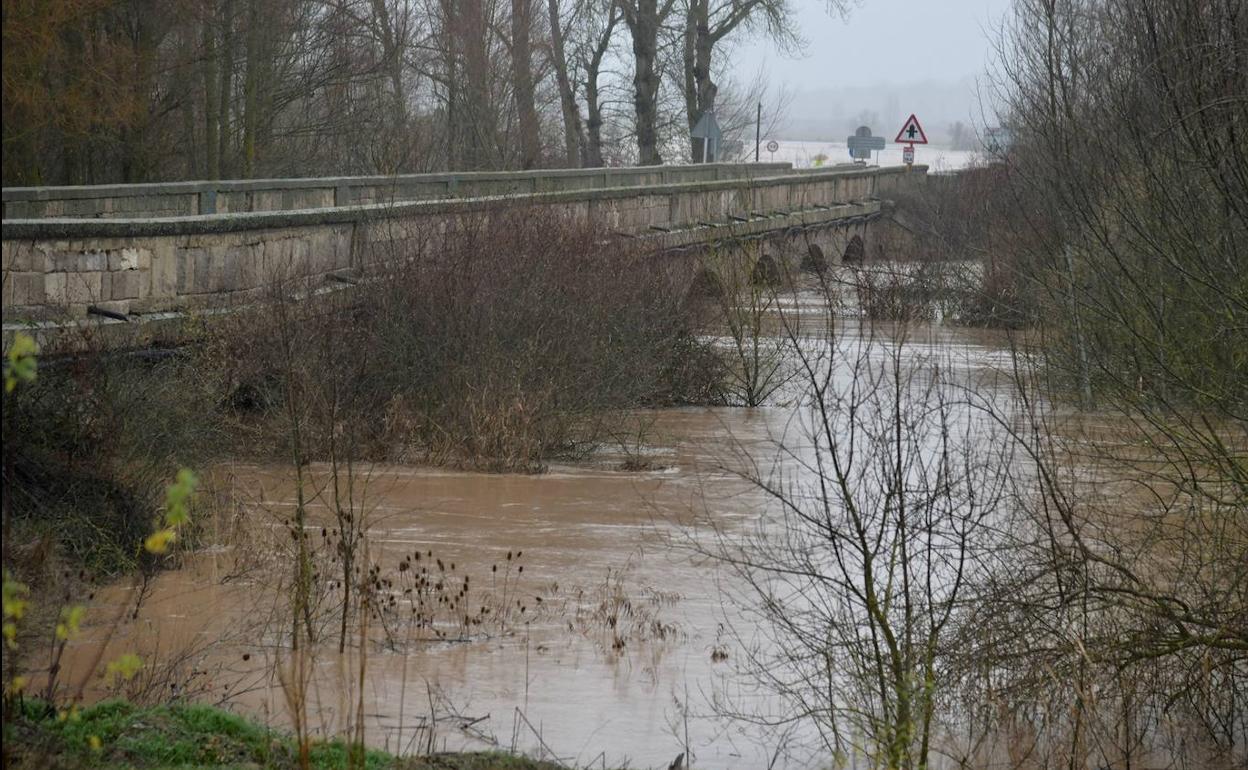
(702,33)
(393,45)
(451,77)
(225,91)
(212,108)
(476,118)
(700,90)
(593,150)
(567,99)
(695,11)
(522,81)
(251,86)
(593,102)
(643,22)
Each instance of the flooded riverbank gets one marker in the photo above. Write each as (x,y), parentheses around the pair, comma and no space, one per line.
(593,633)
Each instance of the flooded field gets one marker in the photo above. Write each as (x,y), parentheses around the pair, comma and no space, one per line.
(572,613)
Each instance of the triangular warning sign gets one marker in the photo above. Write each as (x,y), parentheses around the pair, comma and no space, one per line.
(911,132)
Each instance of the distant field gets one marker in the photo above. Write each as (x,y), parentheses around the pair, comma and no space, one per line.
(802,155)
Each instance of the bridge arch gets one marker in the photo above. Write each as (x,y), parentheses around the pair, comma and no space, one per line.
(855,251)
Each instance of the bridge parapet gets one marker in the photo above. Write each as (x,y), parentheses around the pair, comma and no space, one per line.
(134,266)
(250,195)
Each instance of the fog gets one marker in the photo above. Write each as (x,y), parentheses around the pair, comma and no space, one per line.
(881,61)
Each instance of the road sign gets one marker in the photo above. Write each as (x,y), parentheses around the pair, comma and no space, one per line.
(707,138)
(997,140)
(907,155)
(773,145)
(861,144)
(911,133)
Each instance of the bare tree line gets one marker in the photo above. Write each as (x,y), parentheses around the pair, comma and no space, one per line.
(100,91)
(1060,579)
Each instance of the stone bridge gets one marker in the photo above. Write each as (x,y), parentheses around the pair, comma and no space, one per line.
(131,253)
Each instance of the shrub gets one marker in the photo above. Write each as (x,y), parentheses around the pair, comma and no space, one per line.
(88,446)
(489,342)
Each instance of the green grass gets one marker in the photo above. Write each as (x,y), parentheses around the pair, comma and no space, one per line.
(191,736)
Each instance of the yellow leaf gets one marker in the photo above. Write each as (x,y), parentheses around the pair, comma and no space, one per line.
(125,666)
(158,541)
(177,497)
(71,621)
(74,616)
(20,361)
(14,605)
(95,743)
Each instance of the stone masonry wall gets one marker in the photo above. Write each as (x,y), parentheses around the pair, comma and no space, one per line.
(58,268)
(234,196)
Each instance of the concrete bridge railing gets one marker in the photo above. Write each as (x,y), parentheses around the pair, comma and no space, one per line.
(58,267)
(247,195)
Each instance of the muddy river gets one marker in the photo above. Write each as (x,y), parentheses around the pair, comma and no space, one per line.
(596,634)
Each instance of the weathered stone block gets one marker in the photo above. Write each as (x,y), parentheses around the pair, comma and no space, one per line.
(20,256)
(24,288)
(206,271)
(54,286)
(187,260)
(320,251)
(274,260)
(130,284)
(299,254)
(342,247)
(116,306)
(123,259)
(72,288)
(77,261)
(163,274)
(229,269)
(248,264)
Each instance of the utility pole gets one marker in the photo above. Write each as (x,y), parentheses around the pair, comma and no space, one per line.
(758,130)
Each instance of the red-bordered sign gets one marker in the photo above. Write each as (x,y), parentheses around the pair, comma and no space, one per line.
(911,132)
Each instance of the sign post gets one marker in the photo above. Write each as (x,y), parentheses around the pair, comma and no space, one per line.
(911,133)
(758,130)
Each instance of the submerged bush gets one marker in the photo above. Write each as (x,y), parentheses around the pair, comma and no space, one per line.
(488,342)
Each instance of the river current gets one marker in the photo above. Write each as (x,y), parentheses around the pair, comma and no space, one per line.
(598,636)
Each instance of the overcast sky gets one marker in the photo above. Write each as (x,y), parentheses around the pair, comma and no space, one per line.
(881,41)
(887,59)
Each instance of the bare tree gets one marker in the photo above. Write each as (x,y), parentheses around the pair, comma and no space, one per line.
(879,506)
(601,23)
(572,126)
(645,18)
(1123,598)
(708,24)
(522,81)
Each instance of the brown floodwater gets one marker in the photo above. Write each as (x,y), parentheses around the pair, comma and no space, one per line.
(606,638)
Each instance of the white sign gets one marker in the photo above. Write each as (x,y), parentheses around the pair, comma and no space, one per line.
(773,145)
(907,155)
(911,133)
